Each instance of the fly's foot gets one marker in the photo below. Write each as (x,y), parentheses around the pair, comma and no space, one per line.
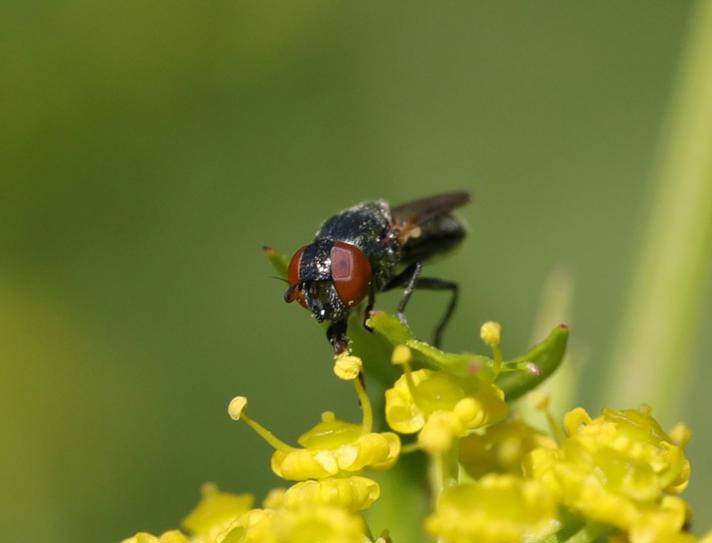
(336,334)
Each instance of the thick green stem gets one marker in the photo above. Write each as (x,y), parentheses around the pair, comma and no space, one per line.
(366,408)
(652,359)
(436,477)
(577,533)
(588,534)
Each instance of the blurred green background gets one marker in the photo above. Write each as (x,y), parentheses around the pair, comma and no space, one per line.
(149,150)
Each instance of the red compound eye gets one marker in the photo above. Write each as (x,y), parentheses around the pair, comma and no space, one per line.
(350,272)
(294,265)
(293,278)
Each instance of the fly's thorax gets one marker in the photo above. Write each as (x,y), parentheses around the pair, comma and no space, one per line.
(368,226)
(363,225)
(315,263)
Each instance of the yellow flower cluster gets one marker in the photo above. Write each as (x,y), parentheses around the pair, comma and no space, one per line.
(334,447)
(322,505)
(501,448)
(331,448)
(349,493)
(495,509)
(315,524)
(172,536)
(614,479)
(215,512)
(306,513)
(620,469)
(440,406)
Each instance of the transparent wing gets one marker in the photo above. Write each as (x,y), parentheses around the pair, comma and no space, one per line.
(419,211)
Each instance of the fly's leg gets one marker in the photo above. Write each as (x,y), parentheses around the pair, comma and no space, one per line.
(410,277)
(409,288)
(432,283)
(369,307)
(407,277)
(336,334)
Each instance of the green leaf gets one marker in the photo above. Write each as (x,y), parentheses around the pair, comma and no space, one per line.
(279,262)
(547,356)
(390,327)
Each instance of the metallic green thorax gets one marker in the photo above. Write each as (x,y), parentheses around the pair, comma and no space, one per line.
(368,226)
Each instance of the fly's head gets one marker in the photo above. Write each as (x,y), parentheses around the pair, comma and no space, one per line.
(328,278)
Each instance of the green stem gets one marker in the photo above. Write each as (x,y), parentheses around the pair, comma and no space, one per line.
(497,360)
(276,443)
(366,408)
(554,427)
(436,476)
(652,355)
(588,534)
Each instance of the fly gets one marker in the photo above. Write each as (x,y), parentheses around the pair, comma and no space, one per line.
(370,248)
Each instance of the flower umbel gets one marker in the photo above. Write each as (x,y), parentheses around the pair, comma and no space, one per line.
(620,469)
(439,405)
(501,448)
(214,513)
(492,479)
(317,524)
(349,493)
(332,447)
(172,536)
(496,509)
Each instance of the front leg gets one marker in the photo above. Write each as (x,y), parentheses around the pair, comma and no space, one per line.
(409,288)
(336,334)
(409,277)
(369,307)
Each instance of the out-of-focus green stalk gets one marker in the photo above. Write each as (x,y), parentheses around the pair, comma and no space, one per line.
(555,307)
(652,354)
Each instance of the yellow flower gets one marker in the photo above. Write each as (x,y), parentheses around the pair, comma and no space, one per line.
(214,513)
(496,509)
(347,366)
(172,536)
(616,469)
(663,523)
(315,524)
(332,447)
(491,333)
(501,448)
(349,493)
(442,406)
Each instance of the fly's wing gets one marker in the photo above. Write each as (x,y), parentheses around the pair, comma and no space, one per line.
(427,229)
(419,211)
